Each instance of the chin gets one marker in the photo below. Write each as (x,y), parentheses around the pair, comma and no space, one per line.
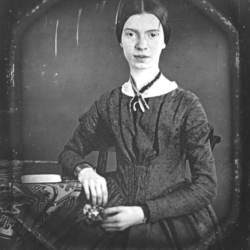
(141,66)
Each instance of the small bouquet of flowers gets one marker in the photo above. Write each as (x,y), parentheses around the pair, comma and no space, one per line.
(92,214)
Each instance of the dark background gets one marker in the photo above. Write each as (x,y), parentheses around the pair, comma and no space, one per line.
(34,136)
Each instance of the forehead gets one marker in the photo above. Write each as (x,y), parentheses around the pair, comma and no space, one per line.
(144,21)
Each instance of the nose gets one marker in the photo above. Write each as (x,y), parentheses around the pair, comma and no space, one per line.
(141,43)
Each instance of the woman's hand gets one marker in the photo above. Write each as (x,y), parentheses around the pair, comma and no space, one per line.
(95,186)
(121,217)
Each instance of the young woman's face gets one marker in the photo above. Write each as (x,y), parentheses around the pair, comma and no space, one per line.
(142,41)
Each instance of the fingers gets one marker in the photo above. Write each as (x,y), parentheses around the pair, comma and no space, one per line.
(92,187)
(110,220)
(112,229)
(104,191)
(121,217)
(101,192)
(86,189)
(109,227)
(99,195)
(112,210)
(95,187)
(111,224)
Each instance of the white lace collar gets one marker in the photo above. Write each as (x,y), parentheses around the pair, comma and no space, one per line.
(160,87)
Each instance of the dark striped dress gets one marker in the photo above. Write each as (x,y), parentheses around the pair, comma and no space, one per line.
(164,161)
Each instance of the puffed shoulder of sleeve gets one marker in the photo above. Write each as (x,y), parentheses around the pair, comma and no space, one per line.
(190,98)
(99,107)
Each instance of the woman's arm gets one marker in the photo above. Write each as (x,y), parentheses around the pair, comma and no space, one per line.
(198,193)
(81,143)
(91,134)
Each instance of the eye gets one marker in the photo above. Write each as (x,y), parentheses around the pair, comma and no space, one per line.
(129,34)
(153,34)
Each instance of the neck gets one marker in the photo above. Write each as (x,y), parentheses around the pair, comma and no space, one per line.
(143,77)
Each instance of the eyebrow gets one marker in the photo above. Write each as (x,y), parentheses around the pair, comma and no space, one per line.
(135,30)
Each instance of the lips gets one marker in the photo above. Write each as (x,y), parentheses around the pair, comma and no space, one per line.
(141,56)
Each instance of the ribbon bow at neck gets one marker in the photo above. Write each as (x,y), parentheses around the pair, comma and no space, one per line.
(138,99)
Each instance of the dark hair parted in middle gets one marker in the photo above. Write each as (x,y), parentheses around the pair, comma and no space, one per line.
(127,8)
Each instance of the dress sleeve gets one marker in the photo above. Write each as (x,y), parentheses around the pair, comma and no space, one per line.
(197,193)
(91,134)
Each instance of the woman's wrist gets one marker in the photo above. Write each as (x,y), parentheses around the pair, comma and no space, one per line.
(146,212)
(81,167)
(137,215)
(140,215)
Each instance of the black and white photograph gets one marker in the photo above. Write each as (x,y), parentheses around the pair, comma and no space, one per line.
(124,125)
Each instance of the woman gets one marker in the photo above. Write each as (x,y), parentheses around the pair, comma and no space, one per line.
(155,127)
